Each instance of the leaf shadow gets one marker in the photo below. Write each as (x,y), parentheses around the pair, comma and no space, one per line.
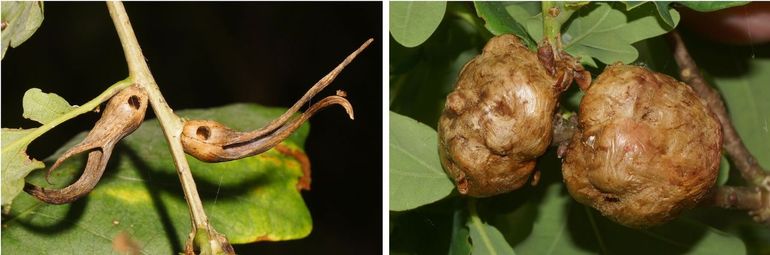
(59,179)
(162,180)
(144,172)
(515,213)
(591,231)
(723,60)
(74,213)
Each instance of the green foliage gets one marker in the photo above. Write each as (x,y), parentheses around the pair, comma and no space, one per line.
(139,198)
(20,20)
(16,163)
(40,107)
(416,176)
(460,242)
(710,6)
(664,12)
(746,98)
(486,239)
(551,223)
(606,33)
(44,107)
(544,219)
(412,22)
(499,22)
(422,76)
(600,30)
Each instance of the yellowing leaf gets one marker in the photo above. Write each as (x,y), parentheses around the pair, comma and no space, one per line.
(44,107)
(248,200)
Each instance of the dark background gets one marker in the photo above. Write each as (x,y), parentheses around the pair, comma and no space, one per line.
(212,54)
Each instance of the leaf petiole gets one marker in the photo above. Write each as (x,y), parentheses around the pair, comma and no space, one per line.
(77,111)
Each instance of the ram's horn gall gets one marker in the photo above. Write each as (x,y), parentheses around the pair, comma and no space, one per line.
(123,114)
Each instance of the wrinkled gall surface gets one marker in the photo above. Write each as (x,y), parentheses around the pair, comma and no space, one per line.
(498,120)
(648,147)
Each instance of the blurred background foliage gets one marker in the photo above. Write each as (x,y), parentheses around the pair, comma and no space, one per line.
(212,54)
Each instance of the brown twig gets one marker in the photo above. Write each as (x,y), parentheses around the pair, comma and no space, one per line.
(756,199)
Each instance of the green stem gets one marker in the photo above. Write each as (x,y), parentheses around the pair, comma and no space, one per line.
(551,26)
(479,226)
(87,107)
(170,122)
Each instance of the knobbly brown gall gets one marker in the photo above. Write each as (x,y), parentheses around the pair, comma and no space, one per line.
(498,120)
(647,147)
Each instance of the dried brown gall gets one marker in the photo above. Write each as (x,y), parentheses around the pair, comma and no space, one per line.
(211,141)
(499,118)
(648,148)
(123,114)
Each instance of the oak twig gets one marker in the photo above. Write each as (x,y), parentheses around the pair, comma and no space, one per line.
(756,198)
(210,241)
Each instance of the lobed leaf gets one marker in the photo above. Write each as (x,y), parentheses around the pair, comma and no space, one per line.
(139,198)
(412,22)
(600,31)
(416,175)
(663,12)
(20,20)
(16,164)
(710,6)
(498,21)
(44,107)
(606,33)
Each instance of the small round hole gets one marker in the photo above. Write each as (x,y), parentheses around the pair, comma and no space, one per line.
(134,102)
(203,132)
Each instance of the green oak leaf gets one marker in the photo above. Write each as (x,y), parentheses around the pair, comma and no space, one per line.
(16,164)
(416,176)
(601,32)
(663,11)
(460,242)
(413,22)
(630,5)
(498,21)
(487,239)
(140,198)
(533,20)
(20,20)
(555,224)
(662,8)
(44,107)
(710,6)
(606,33)
(746,100)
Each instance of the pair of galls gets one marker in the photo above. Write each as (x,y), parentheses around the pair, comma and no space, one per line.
(206,140)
